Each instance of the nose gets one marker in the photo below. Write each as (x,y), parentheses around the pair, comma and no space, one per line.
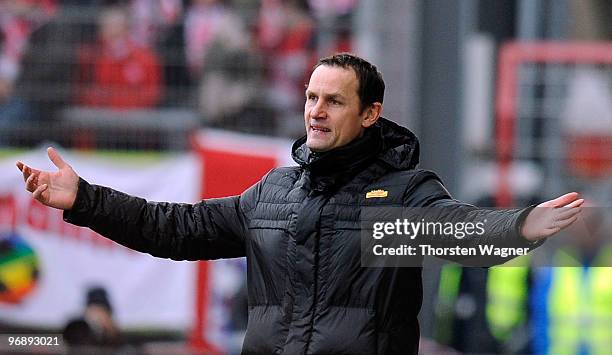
(317,111)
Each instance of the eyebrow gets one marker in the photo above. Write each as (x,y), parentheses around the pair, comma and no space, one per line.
(335,95)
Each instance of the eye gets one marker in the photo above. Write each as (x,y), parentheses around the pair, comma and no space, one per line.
(335,102)
(311,97)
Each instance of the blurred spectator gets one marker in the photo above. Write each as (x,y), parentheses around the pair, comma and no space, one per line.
(460,319)
(17,20)
(96,327)
(562,309)
(205,21)
(228,69)
(177,79)
(507,313)
(286,36)
(150,18)
(571,302)
(334,24)
(324,8)
(115,72)
(231,88)
(46,84)
(159,25)
(463,304)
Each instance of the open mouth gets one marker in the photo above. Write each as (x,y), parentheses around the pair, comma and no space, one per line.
(320,129)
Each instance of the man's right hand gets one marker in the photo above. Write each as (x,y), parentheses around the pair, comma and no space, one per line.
(55,189)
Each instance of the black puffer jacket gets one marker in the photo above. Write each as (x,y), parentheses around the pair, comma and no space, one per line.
(299,229)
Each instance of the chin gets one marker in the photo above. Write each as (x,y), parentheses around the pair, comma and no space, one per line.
(318,148)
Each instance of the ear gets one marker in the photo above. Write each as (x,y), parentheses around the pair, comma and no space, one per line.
(372,113)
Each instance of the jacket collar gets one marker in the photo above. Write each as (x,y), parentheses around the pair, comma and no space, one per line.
(396,146)
(400,149)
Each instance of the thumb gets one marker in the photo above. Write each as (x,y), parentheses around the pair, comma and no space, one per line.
(56,158)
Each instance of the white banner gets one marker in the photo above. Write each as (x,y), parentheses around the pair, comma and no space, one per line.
(145,292)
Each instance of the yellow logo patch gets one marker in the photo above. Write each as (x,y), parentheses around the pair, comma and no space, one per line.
(377,194)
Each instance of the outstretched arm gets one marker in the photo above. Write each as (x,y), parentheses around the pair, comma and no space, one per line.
(541,222)
(210,229)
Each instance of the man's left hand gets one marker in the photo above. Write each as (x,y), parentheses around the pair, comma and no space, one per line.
(551,217)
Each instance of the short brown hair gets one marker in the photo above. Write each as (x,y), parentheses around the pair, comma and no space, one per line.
(371,84)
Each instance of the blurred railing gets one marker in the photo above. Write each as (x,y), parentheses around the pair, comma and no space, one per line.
(142,77)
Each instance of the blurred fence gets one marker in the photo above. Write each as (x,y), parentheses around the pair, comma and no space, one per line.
(554,108)
(165,70)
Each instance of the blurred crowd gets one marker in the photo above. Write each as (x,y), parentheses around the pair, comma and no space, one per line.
(240,64)
(560,305)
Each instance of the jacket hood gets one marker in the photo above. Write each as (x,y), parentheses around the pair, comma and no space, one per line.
(395,145)
(401,148)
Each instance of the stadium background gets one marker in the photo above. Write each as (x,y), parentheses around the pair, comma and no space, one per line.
(190,99)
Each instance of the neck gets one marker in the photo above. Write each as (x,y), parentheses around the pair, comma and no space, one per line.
(343,163)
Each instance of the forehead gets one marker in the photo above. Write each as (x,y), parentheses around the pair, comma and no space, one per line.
(332,79)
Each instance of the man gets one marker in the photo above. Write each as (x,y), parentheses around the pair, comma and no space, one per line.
(96,327)
(114,72)
(299,226)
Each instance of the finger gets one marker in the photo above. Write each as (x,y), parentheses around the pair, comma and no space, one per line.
(571,207)
(30,184)
(25,172)
(565,223)
(561,200)
(37,194)
(56,158)
(569,213)
(579,202)
(20,166)
(565,199)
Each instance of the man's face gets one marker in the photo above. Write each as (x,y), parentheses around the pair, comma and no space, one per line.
(113,26)
(332,109)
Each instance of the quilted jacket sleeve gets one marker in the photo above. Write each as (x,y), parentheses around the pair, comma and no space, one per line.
(210,229)
(501,227)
